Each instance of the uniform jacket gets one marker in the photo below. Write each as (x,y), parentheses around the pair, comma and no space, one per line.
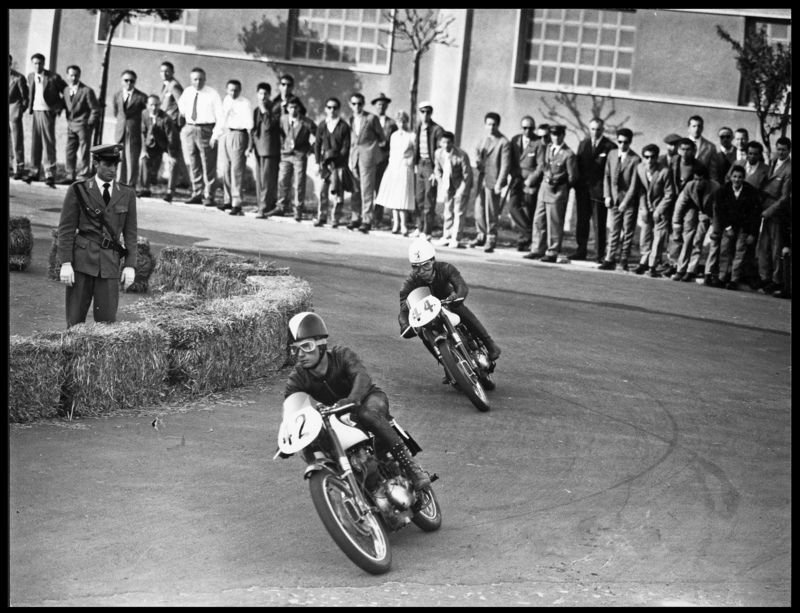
(560,174)
(493,161)
(79,236)
(743,213)
(129,119)
(364,145)
(698,194)
(446,280)
(266,133)
(527,162)
(435,132)
(296,141)
(53,85)
(158,132)
(345,380)
(81,109)
(332,146)
(460,181)
(592,165)
(170,94)
(777,190)
(389,128)
(657,195)
(17,95)
(619,182)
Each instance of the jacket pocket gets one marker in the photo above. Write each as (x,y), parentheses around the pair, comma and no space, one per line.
(120,208)
(81,241)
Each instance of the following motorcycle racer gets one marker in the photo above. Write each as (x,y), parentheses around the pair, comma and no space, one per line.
(446,283)
(336,377)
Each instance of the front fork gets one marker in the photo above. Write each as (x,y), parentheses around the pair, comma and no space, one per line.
(363,507)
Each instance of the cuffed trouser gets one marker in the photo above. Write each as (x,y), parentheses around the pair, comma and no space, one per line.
(453,211)
(150,167)
(234,145)
(590,211)
(425,197)
(85,289)
(623,226)
(266,182)
(331,206)
(487,210)
(43,135)
(201,158)
(292,174)
(521,207)
(362,201)
(78,142)
(128,168)
(17,142)
(769,248)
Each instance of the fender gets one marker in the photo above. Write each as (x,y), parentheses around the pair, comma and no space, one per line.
(321,464)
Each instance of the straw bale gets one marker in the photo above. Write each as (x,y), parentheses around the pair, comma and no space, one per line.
(283,292)
(114,366)
(145,262)
(18,262)
(35,376)
(54,268)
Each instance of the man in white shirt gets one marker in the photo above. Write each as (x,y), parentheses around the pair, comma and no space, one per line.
(297,133)
(46,102)
(233,133)
(201,106)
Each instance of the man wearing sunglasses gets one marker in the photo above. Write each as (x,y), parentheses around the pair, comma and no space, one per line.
(445,282)
(127,106)
(656,196)
(367,137)
(336,376)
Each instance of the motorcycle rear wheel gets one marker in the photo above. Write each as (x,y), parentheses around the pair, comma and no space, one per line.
(429,517)
(465,377)
(362,539)
(477,345)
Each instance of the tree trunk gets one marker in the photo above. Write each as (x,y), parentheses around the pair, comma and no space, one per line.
(413,89)
(97,139)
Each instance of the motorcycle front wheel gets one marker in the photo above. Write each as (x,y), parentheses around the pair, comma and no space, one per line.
(361,537)
(466,378)
(429,517)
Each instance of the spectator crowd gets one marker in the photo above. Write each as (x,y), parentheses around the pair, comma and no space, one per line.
(720,212)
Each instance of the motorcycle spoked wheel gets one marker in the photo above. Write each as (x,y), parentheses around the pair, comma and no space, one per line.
(429,517)
(466,378)
(362,540)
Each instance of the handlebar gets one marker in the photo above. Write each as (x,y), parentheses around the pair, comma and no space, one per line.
(447,301)
(325,410)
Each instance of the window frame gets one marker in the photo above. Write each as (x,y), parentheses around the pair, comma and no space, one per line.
(119,41)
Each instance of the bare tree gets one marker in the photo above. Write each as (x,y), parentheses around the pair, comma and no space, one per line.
(574,119)
(767,71)
(415,31)
(115,18)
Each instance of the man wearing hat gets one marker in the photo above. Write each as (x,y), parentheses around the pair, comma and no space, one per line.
(671,141)
(96,212)
(389,125)
(428,133)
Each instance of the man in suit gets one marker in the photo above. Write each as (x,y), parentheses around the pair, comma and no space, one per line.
(755,173)
(331,150)
(656,197)
(527,151)
(45,103)
(389,125)
(619,193)
(296,135)
(734,226)
(265,146)
(705,151)
(560,175)
(158,132)
(428,133)
(233,133)
(82,110)
(454,181)
(366,138)
(671,150)
(285,91)
(694,210)
(493,162)
(17,104)
(593,151)
(88,251)
(776,193)
(171,91)
(127,106)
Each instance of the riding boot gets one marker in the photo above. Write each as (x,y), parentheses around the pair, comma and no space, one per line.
(491,346)
(419,478)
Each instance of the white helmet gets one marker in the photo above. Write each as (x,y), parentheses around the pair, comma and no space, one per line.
(420,251)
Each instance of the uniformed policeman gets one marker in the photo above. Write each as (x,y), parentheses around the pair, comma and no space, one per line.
(98,223)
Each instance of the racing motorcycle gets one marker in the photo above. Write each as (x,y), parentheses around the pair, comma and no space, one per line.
(464,357)
(356,486)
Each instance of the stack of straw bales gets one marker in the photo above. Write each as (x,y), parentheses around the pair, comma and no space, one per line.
(35,376)
(20,243)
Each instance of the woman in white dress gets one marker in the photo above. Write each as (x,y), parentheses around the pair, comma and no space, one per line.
(397,186)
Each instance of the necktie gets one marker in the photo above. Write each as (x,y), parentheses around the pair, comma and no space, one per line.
(125,101)
(194,106)
(106,195)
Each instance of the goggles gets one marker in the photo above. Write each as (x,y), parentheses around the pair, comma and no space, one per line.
(306,346)
(425,265)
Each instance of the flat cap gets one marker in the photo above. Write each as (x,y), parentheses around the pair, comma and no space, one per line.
(558,129)
(380,97)
(424,104)
(107,152)
(672,139)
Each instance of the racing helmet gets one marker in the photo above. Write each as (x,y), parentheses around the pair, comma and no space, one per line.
(420,251)
(307,325)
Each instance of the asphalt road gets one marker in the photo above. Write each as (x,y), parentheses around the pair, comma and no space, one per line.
(638,449)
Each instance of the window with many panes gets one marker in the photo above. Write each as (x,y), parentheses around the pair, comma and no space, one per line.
(577,49)
(154,33)
(356,37)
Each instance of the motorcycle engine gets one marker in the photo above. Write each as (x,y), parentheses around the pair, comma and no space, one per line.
(398,493)
(483,359)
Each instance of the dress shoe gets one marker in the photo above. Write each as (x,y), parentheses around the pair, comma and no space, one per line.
(707,280)
(689,277)
(404,232)
(768,287)
(488,248)
(654,274)
(262,216)
(299,217)
(50,182)
(732,285)
(318,223)
(533,256)
(678,276)
(551,259)
(364,228)
(19,176)
(606,265)
(578,255)
(236,211)
(167,198)
(143,193)
(195,200)
(274,212)
(395,230)
(353,225)
(478,241)
(523,245)
(335,224)
(225,207)
(209,202)
(641,269)
(623,265)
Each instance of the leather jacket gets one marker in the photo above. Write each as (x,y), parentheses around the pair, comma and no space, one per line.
(345,380)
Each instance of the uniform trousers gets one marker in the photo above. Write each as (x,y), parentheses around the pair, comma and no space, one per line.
(88,288)
(79,140)
(43,135)
(266,182)
(233,147)
(201,158)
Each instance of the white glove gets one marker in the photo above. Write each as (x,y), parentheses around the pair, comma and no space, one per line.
(128,275)
(67,274)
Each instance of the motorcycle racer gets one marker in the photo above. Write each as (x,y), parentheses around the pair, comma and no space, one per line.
(336,376)
(446,283)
